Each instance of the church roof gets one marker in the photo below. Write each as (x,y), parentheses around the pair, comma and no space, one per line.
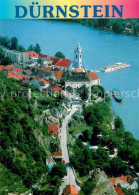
(92,76)
(80,77)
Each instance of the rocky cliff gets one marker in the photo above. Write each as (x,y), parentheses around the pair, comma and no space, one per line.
(103,185)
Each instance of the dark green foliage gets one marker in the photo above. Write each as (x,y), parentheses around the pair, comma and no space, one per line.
(98,117)
(98,91)
(88,187)
(35,48)
(96,113)
(14,43)
(82,159)
(59,54)
(31,48)
(126,26)
(20,150)
(59,170)
(118,167)
(6,61)
(40,61)
(84,92)
(1,53)
(21,48)
(119,123)
(5,41)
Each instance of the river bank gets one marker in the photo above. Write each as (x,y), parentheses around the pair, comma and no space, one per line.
(128,27)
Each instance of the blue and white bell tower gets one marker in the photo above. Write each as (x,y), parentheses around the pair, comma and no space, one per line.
(78,56)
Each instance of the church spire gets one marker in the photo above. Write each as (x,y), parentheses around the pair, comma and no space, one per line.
(78,56)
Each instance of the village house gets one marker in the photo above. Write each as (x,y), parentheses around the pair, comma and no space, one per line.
(94,78)
(61,64)
(53,130)
(70,190)
(32,55)
(125,182)
(44,72)
(39,83)
(55,91)
(6,68)
(13,72)
(47,60)
(58,156)
(50,163)
(57,75)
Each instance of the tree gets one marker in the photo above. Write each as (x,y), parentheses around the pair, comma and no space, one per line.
(59,169)
(40,61)
(31,48)
(118,27)
(59,54)
(37,48)
(88,187)
(1,53)
(5,41)
(119,123)
(6,61)
(14,43)
(118,167)
(84,92)
(21,48)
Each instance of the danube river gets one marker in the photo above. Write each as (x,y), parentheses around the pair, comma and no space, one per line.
(100,48)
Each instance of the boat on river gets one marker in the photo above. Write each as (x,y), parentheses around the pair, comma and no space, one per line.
(117,95)
(115,67)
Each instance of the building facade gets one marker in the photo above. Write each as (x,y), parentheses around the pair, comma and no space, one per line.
(74,82)
(17,57)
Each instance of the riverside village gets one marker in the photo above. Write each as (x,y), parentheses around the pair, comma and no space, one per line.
(82,132)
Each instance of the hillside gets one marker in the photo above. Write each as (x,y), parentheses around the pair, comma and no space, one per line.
(24,139)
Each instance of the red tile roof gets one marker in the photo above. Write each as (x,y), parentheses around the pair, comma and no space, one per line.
(119,180)
(70,190)
(56,89)
(79,70)
(58,74)
(45,56)
(55,60)
(57,154)
(61,62)
(119,191)
(11,74)
(32,54)
(92,76)
(43,80)
(17,69)
(53,129)
(47,68)
(29,71)
(9,67)
(2,67)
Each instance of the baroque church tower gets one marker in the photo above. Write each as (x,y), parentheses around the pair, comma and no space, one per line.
(78,57)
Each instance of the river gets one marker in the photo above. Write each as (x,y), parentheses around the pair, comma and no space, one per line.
(100,48)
